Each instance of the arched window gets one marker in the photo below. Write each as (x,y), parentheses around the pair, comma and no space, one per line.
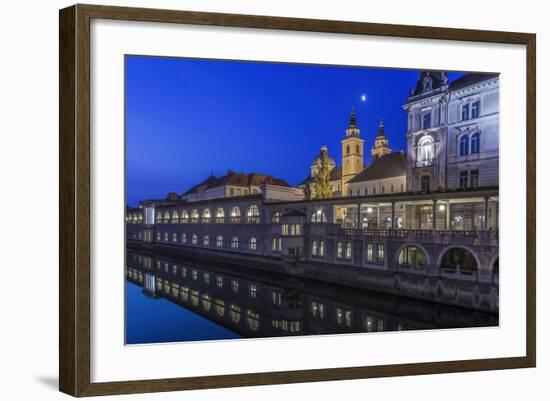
(184,217)
(464,142)
(166,217)
(206,240)
(459,259)
(412,256)
(252,243)
(253,214)
(194,216)
(175,217)
(220,215)
(398,222)
(235,214)
(194,239)
(357,149)
(276,217)
(319,216)
(426,151)
(219,241)
(388,222)
(183,238)
(206,216)
(474,143)
(235,242)
(347,150)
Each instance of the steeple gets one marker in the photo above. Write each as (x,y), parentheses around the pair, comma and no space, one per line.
(381,147)
(353,128)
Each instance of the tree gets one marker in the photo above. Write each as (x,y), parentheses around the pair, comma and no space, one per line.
(321,184)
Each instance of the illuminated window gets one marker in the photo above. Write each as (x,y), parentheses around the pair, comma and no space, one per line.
(314,248)
(183,238)
(220,215)
(426,151)
(206,278)
(369,253)
(206,240)
(234,285)
(158,236)
(252,290)
(339,249)
(380,252)
(235,214)
(276,297)
(184,217)
(252,244)
(321,248)
(253,214)
(206,302)
(194,216)
(319,216)
(206,216)
(219,307)
(252,319)
(276,217)
(235,242)
(174,237)
(166,236)
(219,281)
(194,239)
(235,313)
(219,241)
(348,250)
(175,217)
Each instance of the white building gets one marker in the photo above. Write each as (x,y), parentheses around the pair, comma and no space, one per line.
(453,132)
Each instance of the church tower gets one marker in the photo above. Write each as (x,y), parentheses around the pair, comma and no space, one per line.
(381,147)
(352,153)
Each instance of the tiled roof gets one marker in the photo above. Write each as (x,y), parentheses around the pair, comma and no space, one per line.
(470,79)
(237,179)
(390,165)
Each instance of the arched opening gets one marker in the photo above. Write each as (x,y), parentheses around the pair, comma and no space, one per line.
(220,215)
(398,222)
(474,143)
(206,216)
(253,214)
(347,149)
(426,151)
(276,217)
(388,222)
(184,217)
(357,149)
(318,216)
(412,256)
(464,145)
(459,259)
(194,216)
(235,214)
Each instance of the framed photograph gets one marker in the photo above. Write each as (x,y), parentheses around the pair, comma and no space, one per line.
(250,200)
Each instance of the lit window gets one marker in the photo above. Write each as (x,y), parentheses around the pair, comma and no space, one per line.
(183,238)
(339,249)
(206,240)
(348,250)
(195,216)
(166,236)
(252,290)
(206,278)
(219,241)
(219,281)
(276,297)
(252,320)
(220,215)
(235,242)
(314,248)
(235,214)
(426,151)
(235,313)
(174,237)
(184,217)
(252,243)
(194,239)
(276,217)
(321,248)
(319,216)
(380,252)
(234,285)
(206,216)
(253,214)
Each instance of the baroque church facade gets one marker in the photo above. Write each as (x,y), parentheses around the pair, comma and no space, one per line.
(385,174)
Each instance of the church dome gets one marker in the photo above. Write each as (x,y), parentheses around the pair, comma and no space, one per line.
(317,160)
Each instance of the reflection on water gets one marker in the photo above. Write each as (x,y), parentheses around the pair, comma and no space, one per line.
(172,300)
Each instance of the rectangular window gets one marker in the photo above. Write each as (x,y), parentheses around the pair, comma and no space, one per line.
(219,281)
(383,189)
(369,253)
(366,191)
(313,248)
(284,229)
(475,109)
(463,180)
(427,120)
(465,112)
(276,297)
(321,248)
(274,244)
(253,290)
(348,250)
(380,252)
(474,178)
(374,190)
(340,249)
(392,188)
(235,285)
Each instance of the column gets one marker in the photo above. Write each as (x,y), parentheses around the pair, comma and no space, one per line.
(448,217)
(393,214)
(434,214)
(358,215)
(378,216)
(486,214)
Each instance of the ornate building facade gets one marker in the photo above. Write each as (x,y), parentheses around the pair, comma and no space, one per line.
(453,132)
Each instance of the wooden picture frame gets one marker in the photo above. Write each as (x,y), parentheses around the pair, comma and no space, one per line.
(74,204)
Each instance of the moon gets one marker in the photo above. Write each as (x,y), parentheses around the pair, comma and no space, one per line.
(363,98)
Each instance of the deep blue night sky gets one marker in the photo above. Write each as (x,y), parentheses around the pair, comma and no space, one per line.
(187,118)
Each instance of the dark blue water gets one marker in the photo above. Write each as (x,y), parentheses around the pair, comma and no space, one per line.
(158,320)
